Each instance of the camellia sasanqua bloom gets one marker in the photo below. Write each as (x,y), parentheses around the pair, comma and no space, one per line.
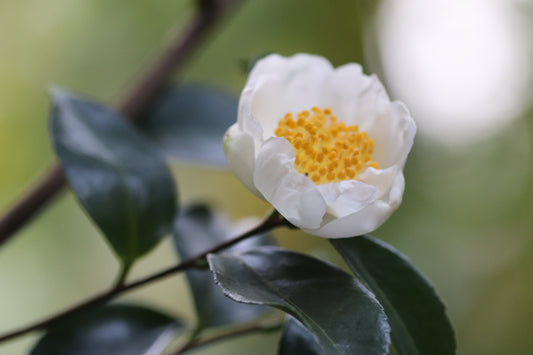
(325,146)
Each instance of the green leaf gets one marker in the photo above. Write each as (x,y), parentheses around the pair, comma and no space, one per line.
(196,230)
(188,123)
(416,314)
(110,330)
(343,316)
(296,339)
(119,178)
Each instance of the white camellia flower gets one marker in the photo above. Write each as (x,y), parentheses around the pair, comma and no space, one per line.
(325,146)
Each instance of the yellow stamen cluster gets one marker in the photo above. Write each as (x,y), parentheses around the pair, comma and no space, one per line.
(326,150)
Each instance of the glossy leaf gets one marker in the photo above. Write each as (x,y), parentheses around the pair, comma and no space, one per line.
(296,339)
(188,123)
(119,178)
(196,230)
(343,316)
(110,330)
(416,314)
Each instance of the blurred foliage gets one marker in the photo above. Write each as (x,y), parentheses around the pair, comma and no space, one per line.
(465,220)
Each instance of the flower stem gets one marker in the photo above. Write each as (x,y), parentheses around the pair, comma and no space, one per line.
(134,103)
(272,221)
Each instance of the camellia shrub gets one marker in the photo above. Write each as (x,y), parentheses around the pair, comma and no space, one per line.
(324,146)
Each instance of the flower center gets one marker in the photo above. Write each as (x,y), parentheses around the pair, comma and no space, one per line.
(326,150)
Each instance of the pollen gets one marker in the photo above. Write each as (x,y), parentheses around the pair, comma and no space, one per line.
(326,150)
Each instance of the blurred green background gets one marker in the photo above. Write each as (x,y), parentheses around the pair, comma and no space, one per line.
(463,69)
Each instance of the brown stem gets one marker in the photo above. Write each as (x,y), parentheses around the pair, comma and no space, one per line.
(29,205)
(175,56)
(137,100)
(229,333)
(274,220)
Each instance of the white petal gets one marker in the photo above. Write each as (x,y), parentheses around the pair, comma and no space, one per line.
(293,194)
(407,131)
(355,97)
(277,65)
(347,197)
(247,122)
(358,99)
(358,223)
(393,135)
(282,85)
(380,178)
(240,151)
(396,191)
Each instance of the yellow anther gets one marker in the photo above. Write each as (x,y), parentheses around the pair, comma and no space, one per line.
(332,154)
(350,173)
(326,150)
(309,127)
(333,165)
(303,114)
(291,123)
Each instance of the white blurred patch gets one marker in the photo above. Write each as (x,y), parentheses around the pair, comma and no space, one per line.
(461,66)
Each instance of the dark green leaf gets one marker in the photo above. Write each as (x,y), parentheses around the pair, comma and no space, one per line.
(296,339)
(416,314)
(119,178)
(188,123)
(196,230)
(343,316)
(110,330)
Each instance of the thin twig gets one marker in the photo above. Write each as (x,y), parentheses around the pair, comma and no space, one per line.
(274,220)
(229,333)
(134,103)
